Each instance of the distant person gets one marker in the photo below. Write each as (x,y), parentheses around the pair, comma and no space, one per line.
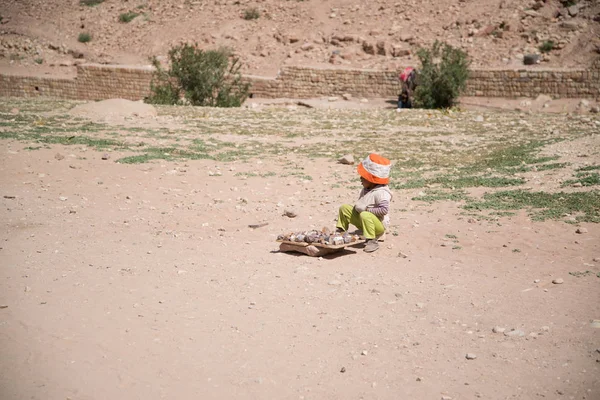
(370,212)
(408,78)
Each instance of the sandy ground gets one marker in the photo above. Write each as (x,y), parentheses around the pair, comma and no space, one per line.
(146,282)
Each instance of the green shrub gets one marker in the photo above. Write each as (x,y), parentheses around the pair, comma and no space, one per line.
(39,60)
(547,46)
(90,3)
(203,78)
(84,37)
(251,13)
(442,77)
(127,17)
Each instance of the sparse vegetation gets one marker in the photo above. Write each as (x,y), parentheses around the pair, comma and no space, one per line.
(584,179)
(200,78)
(84,37)
(39,60)
(543,205)
(547,46)
(442,77)
(90,3)
(127,17)
(251,13)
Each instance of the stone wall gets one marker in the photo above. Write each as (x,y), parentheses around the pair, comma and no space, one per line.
(98,82)
(93,82)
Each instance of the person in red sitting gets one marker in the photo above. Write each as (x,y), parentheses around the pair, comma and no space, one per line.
(370,213)
(408,78)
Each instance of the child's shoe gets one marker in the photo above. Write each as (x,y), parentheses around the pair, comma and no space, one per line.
(371,245)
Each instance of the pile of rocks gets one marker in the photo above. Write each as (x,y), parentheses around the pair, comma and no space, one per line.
(324,237)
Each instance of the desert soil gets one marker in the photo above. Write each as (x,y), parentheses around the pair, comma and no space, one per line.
(145,281)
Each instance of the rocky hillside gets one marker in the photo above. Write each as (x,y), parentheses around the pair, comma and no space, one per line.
(46,35)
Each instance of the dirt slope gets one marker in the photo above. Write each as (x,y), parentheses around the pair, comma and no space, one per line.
(41,35)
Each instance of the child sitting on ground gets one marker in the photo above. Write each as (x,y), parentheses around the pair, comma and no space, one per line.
(370,212)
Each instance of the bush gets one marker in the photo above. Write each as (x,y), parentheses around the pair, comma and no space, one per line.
(251,13)
(203,78)
(547,46)
(84,37)
(443,76)
(90,3)
(127,17)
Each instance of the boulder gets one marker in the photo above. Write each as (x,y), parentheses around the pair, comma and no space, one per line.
(400,51)
(570,25)
(368,47)
(381,48)
(531,59)
(573,10)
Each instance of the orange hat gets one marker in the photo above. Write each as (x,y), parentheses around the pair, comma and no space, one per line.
(375,169)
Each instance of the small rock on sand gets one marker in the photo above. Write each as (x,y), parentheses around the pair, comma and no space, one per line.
(515,333)
(558,281)
(348,159)
(290,213)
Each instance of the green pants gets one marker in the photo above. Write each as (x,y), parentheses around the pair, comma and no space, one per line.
(367,222)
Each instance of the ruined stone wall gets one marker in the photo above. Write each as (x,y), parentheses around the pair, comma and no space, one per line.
(98,82)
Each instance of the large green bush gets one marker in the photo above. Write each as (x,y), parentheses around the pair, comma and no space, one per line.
(199,77)
(442,77)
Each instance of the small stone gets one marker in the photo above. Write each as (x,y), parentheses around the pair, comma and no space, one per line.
(545,328)
(581,230)
(364,353)
(536,281)
(63,198)
(558,281)
(471,356)
(595,323)
(444,397)
(3,306)
(343,370)
(419,379)
(290,213)
(402,255)
(105,156)
(479,118)
(348,159)
(420,305)
(514,333)
(498,329)
(334,282)
(347,96)
(59,156)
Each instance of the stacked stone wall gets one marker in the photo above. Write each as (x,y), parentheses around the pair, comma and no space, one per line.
(98,82)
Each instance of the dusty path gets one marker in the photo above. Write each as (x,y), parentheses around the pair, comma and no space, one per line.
(144,281)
